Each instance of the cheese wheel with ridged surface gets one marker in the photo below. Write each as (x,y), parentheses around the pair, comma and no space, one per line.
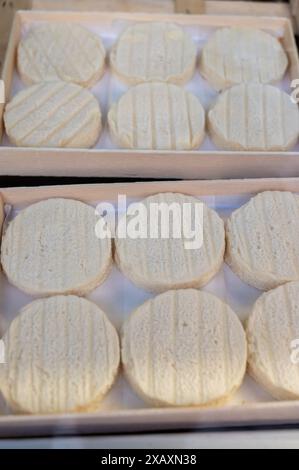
(51,248)
(254,117)
(61,51)
(262,240)
(53,114)
(272,334)
(184,348)
(147,52)
(62,355)
(158,263)
(236,55)
(157,116)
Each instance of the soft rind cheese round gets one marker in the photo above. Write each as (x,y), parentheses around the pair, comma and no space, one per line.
(51,248)
(157,116)
(237,55)
(61,355)
(53,114)
(158,263)
(61,51)
(262,239)
(272,334)
(148,52)
(254,117)
(184,348)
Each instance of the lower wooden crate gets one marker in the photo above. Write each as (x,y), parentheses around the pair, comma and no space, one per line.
(259,411)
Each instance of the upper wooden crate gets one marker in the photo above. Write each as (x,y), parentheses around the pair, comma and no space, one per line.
(138,163)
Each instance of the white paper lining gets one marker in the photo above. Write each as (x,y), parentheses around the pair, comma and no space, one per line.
(118,297)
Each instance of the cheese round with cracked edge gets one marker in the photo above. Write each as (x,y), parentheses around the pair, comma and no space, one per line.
(62,355)
(254,117)
(154,52)
(158,264)
(272,328)
(262,239)
(67,52)
(53,114)
(237,55)
(184,348)
(51,248)
(157,116)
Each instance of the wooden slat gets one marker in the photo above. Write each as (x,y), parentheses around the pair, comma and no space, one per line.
(21,196)
(295,12)
(7,11)
(209,7)
(258,9)
(218,7)
(190,6)
(159,6)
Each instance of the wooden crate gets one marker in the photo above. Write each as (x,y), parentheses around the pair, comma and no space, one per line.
(117,417)
(138,163)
